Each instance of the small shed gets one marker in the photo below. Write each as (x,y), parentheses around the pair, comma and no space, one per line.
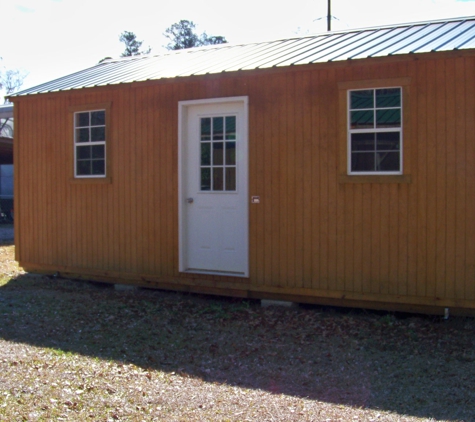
(337,168)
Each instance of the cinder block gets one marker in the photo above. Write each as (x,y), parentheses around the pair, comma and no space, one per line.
(125,287)
(265,303)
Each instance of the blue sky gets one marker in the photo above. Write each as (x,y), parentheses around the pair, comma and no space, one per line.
(52,38)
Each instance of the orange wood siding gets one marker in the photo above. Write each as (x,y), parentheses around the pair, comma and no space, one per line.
(312,233)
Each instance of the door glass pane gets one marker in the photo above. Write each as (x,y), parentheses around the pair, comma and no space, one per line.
(205,179)
(218,128)
(205,129)
(218,153)
(217,178)
(231,178)
(230,153)
(205,154)
(231,127)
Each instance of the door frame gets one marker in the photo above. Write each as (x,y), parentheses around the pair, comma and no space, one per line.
(183,107)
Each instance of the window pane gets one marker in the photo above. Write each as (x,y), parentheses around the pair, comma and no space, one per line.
(83,168)
(388,118)
(98,167)
(387,141)
(362,119)
(82,119)
(362,142)
(362,99)
(206,179)
(206,154)
(218,153)
(230,153)
(98,118)
(98,134)
(83,153)
(231,178)
(362,161)
(98,151)
(218,123)
(231,127)
(388,161)
(82,135)
(217,178)
(205,129)
(388,97)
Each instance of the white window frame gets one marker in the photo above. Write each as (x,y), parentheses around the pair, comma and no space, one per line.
(90,143)
(374,130)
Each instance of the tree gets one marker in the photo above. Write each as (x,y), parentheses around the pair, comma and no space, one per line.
(182,35)
(132,46)
(11,81)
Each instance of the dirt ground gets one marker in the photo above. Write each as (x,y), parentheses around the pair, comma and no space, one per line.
(80,351)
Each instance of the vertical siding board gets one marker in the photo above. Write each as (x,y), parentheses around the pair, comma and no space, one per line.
(292,138)
(407,242)
(450,179)
(394,225)
(300,113)
(384,238)
(429,187)
(348,247)
(375,238)
(283,205)
(470,179)
(358,241)
(405,222)
(326,79)
(172,191)
(440,172)
(258,159)
(273,126)
(316,142)
(460,142)
(306,187)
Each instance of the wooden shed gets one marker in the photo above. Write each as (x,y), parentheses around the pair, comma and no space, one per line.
(336,169)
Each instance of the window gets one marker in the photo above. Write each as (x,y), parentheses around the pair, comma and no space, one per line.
(218,153)
(375,131)
(90,144)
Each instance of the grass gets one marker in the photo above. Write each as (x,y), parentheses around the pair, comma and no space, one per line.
(79,351)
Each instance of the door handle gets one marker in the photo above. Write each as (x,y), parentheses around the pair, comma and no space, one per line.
(189,200)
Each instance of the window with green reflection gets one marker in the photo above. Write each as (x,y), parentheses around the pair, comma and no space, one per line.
(375,131)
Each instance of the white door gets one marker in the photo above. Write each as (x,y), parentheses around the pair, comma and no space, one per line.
(214,187)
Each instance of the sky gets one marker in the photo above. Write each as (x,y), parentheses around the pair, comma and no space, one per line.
(47,39)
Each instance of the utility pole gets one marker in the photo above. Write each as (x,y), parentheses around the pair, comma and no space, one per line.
(329,16)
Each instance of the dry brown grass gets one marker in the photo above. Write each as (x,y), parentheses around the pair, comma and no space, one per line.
(80,351)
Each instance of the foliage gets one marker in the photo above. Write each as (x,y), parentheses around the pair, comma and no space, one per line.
(183,35)
(132,45)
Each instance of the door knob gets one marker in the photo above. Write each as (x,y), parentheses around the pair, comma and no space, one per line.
(189,200)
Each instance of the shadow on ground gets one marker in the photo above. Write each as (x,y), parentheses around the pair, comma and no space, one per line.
(413,365)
